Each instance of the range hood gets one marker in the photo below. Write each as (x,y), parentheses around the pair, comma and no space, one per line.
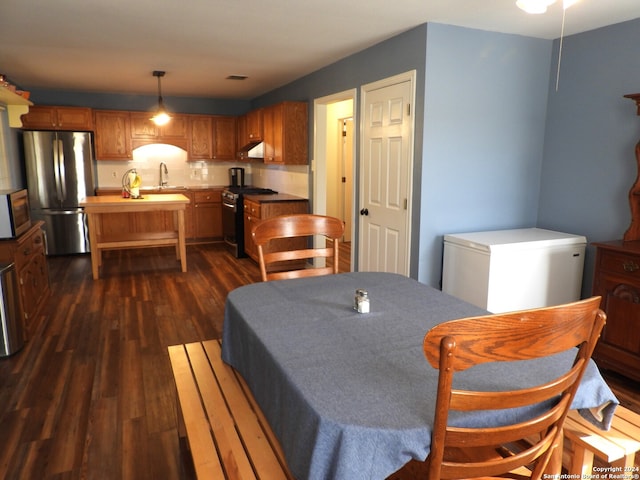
(256,151)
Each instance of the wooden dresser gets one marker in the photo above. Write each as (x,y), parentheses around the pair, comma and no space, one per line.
(617,280)
(28,253)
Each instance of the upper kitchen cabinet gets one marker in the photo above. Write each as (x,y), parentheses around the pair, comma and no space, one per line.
(213,137)
(58,118)
(112,135)
(224,138)
(249,129)
(201,141)
(145,132)
(285,134)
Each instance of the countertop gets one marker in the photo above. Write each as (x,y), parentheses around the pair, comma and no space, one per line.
(278,197)
(125,204)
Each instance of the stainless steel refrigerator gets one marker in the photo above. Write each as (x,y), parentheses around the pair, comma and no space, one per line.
(60,172)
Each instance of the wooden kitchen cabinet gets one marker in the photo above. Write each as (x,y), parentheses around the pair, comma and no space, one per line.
(145,132)
(285,134)
(28,253)
(256,209)
(207,214)
(617,280)
(254,126)
(58,118)
(112,135)
(213,137)
(201,140)
(224,138)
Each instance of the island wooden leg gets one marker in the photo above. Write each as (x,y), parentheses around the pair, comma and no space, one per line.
(181,240)
(93,245)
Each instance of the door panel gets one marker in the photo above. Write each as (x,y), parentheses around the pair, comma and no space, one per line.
(386,178)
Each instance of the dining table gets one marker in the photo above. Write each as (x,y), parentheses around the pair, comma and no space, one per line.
(350,395)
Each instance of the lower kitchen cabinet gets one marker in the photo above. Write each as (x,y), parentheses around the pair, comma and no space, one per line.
(257,208)
(207,215)
(28,253)
(617,280)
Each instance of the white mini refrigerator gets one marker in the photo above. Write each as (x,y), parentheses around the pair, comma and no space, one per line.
(508,270)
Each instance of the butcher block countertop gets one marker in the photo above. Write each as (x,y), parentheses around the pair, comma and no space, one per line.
(116,203)
(278,197)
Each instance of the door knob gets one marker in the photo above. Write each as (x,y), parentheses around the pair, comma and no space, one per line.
(364,211)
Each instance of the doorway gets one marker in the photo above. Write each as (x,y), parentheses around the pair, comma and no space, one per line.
(332,167)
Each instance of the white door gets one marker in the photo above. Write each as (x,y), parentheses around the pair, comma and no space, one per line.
(385,175)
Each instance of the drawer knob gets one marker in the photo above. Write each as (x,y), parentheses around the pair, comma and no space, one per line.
(630,266)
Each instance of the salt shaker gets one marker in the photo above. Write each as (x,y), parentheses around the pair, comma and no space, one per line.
(361,301)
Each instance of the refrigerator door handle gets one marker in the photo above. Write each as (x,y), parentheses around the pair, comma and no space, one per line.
(56,168)
(63,173)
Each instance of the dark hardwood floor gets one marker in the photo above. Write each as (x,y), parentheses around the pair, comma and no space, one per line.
(91,394)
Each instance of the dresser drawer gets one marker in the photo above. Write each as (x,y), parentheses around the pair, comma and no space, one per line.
(618,262)
(30,247)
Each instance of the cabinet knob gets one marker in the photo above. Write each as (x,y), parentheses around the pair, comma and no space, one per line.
(630,266)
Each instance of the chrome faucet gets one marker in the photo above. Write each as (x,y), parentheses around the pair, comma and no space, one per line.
(163,172)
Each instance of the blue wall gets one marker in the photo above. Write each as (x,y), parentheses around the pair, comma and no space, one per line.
(112,101)
(483,135)
(591,131)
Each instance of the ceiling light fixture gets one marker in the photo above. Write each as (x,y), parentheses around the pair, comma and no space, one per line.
(540,6)
(161,116)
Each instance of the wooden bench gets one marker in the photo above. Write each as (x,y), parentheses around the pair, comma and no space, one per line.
(617,447)
(225,430)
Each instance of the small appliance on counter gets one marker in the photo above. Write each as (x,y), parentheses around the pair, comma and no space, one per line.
(236,177)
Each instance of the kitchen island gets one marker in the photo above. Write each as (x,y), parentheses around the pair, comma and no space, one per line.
(110,204)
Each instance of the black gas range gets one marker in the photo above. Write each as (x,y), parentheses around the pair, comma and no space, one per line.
(233,215)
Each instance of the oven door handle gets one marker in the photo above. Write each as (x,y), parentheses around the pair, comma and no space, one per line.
(229,205)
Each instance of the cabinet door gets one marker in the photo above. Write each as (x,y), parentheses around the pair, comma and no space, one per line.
(208,214)
(254,126)
(224,138)
(201,141)
(176,130)
(74,118)
(272,129)
(40,118)
(113,135)
(251,217)
(142,127)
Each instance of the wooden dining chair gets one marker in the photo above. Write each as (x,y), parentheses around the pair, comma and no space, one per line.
(289,258)
(458,452)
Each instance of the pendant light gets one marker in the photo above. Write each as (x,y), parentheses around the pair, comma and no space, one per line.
(161,116)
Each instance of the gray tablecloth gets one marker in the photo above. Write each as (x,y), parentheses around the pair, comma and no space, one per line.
(349,395)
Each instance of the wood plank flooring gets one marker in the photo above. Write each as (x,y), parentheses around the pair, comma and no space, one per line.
(91,395)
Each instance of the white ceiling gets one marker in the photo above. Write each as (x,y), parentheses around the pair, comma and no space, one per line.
(113,46)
